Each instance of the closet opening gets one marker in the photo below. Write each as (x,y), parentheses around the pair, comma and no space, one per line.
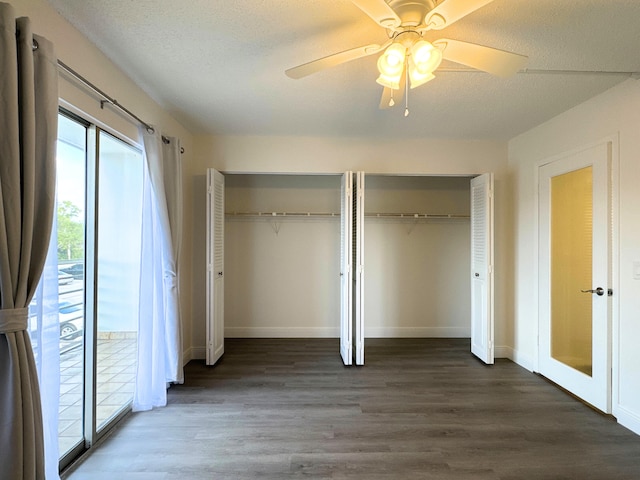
(417,261)
(282,256)
(290,259)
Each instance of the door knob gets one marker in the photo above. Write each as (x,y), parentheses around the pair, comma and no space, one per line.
(598,291)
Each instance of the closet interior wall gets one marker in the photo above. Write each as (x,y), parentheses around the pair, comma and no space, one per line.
(417,271)
(282,272)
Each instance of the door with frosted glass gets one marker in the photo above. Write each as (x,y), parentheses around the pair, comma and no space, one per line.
(574,274)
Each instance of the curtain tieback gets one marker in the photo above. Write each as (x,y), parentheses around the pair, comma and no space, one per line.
(14,320)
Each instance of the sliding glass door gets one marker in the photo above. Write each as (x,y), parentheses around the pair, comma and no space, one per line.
(99,219)
(118,274)
(71,209)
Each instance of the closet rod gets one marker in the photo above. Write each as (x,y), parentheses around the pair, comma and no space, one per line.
(410,216)
(282,214)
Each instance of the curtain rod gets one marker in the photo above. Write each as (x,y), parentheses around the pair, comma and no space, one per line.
(110,100)
(107,98)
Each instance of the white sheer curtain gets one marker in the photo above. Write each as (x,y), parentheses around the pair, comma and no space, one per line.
(159,328)
(44,330)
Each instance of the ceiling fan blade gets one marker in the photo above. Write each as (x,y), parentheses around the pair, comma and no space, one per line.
(487,59)
(332,60)
(451,11)
(380,12)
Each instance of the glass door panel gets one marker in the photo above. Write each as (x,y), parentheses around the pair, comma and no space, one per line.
(118,266)
(571,268)
(71,158)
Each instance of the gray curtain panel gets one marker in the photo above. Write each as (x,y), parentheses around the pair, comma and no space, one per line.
(28,131)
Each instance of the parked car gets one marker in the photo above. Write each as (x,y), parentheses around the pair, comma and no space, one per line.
(76,270)
(71,320)
(64,278)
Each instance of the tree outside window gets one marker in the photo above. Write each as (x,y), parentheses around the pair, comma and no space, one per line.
(70,232)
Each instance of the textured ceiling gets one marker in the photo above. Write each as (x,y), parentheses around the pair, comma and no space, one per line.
(218,66)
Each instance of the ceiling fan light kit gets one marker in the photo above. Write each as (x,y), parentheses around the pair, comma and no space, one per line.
(390,65)
(407,53)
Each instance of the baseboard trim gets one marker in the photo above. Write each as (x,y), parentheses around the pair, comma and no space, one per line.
(198,353)
(525,361)
(627,419)
(332,332)
(187,356)
(502,351)
(417,332)
(281,332)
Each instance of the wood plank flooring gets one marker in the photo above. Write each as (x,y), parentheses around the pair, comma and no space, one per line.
(418,409)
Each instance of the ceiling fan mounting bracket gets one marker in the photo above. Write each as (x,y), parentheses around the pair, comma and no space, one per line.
(412,12)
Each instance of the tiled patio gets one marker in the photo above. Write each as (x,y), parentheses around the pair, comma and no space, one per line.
(115,382)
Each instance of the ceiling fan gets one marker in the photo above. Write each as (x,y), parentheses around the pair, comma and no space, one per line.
(408,58)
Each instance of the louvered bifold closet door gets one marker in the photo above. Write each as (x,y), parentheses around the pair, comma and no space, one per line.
(215,266)
(482,267)
(358,256)
(346,252)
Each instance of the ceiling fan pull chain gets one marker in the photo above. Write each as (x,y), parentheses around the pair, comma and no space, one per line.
(391,100)
(406,90)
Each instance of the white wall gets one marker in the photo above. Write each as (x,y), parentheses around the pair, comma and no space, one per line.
(256,154)
(77,52)
(615,113)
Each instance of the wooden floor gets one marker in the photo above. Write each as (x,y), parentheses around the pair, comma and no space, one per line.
(418,409)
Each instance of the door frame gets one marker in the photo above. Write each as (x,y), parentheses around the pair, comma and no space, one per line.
(613,142)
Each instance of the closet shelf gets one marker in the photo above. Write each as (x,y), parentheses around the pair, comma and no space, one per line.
(282,214)
(417,216)
(406,216)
